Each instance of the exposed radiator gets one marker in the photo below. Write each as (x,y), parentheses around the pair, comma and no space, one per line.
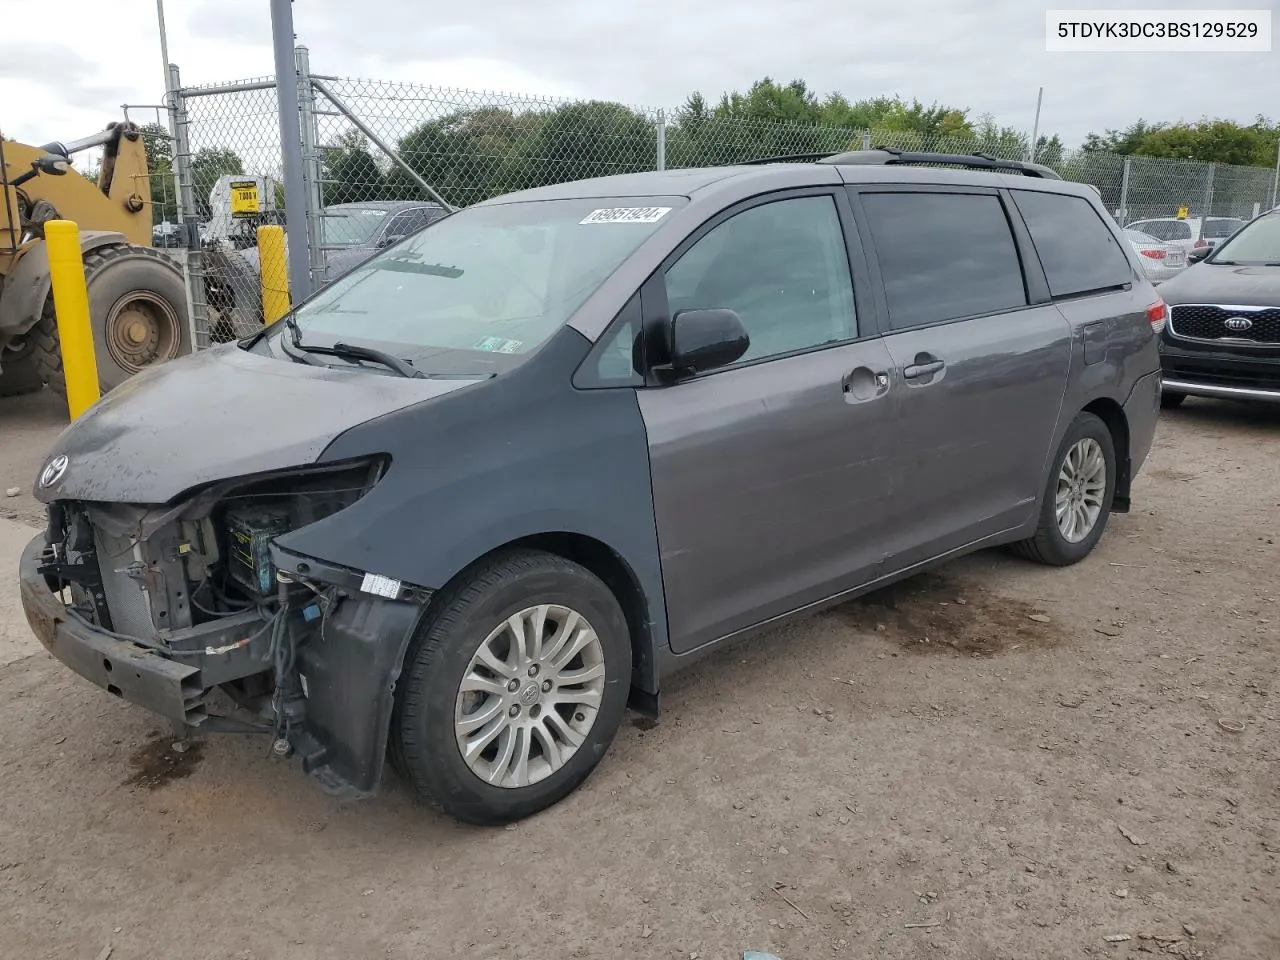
(126,597)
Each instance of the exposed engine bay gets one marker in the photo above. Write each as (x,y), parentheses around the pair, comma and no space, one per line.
(201,582)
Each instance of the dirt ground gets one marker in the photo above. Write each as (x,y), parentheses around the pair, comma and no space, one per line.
(994,761)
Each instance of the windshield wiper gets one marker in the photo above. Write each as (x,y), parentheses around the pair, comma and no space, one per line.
(293,348)
(307,353)
(349,351)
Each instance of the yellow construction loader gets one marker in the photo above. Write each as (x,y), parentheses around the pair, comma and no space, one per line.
(137,296)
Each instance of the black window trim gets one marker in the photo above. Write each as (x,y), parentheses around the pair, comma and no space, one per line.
(1107,224)
(586,377)
(1034,284)
(657,312)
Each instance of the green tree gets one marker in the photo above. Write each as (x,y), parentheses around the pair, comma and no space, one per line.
(207,166)
(349,173)
(1210,141)
(591,139)
(159,147)
(467,156)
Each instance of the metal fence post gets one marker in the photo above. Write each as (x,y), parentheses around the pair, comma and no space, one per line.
(311,164)
(188,212)
(1123,212)
(662,140)
(866,139)
(1208,191)
(1275,183)
(295,189)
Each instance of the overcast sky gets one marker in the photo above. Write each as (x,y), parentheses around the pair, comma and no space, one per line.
(70,77)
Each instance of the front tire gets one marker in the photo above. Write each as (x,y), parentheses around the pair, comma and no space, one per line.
(1077,498)
(512,690)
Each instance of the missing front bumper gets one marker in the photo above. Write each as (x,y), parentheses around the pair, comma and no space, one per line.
(128,670)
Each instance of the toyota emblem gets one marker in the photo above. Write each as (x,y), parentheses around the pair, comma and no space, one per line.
(53,470)
(1238,324)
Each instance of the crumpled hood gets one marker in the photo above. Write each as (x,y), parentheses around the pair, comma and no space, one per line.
(1231,286)
(218,414)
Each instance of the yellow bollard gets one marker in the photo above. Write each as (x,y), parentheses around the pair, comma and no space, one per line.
(71,305)
(273,273)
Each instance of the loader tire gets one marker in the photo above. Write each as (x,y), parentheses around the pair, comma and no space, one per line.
(138,309)
(19,372)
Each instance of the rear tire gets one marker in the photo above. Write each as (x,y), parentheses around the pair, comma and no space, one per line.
(533,728)
(138,309)
(1085,461)
(1169,400)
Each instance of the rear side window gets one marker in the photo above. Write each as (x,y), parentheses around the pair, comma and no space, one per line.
(943,256)
(1179,230)
(1078,252)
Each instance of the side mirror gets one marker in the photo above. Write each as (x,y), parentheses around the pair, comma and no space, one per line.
(705,339)
(1198,254)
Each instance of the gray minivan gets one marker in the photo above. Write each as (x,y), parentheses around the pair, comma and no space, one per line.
(465,504)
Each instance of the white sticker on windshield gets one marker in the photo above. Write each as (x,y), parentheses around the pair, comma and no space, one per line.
(500,345)
(626,215)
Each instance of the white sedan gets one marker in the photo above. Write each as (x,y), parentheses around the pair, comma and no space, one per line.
(1159,260)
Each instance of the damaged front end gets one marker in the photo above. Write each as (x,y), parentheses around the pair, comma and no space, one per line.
(161,605)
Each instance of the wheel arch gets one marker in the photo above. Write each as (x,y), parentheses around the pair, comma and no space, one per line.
(1112,414)
(613,570)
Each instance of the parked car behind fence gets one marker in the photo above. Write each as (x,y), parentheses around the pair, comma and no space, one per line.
(1160,261)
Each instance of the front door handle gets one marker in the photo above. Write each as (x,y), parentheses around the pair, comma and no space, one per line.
(918,370)
(863,383)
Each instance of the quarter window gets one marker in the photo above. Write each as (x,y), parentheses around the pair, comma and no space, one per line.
(943,256)
(782,266)
(1077,250)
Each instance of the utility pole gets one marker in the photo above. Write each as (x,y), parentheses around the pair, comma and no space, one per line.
(164,43)
(1035,127)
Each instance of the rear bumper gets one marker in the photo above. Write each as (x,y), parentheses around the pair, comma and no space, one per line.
(130,671)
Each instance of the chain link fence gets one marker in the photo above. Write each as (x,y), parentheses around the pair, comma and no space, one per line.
(395,148)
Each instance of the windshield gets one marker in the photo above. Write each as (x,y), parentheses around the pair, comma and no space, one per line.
(1259,242)
(483,286)
(350,226)
(1216,228)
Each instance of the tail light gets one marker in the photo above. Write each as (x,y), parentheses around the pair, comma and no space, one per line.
(1158,314)
(1154,254)
(1202,242)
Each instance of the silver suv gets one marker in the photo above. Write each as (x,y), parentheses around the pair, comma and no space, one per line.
(468,501)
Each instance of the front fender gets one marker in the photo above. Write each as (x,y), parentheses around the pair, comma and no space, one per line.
(349,670)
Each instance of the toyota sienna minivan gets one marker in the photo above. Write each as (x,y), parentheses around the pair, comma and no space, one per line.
(463,505)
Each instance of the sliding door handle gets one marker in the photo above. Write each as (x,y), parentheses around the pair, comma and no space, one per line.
(918,370)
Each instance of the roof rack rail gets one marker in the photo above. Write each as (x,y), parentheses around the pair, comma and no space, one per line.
(789,158)
(979,161)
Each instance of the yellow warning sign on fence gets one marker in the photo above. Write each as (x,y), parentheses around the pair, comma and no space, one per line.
(244,198)
(1182,212)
